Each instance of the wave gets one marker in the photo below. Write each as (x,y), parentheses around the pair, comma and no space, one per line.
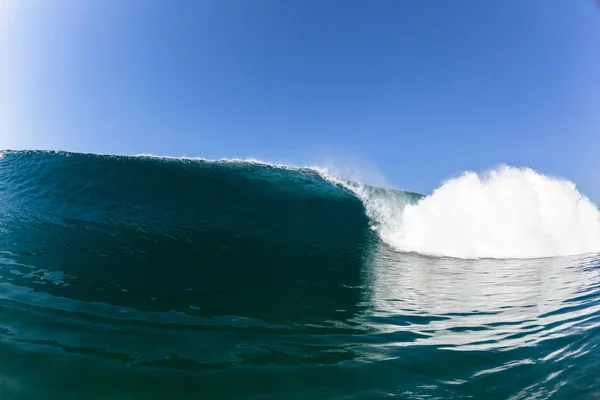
(505,213)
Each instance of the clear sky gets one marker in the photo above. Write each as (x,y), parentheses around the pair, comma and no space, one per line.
(423,89)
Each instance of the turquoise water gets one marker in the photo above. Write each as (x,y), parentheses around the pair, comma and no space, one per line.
(148,278)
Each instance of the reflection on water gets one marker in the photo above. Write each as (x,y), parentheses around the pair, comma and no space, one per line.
(483,304)
(498,328)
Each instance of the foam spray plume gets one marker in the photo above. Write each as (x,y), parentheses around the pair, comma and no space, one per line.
(505,213)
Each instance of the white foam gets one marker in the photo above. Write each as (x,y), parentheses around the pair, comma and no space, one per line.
(505,213)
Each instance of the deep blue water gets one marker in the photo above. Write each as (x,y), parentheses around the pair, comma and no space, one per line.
(148,278)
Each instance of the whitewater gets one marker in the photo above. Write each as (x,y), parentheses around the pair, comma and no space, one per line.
(507,212)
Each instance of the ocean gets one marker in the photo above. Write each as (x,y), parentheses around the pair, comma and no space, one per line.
(161,278)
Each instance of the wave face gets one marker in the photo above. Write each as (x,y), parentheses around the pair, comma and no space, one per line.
(146,277)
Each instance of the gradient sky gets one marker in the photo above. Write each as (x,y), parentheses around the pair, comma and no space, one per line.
(422,90)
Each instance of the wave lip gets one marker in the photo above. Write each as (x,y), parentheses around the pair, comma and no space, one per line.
(506,213)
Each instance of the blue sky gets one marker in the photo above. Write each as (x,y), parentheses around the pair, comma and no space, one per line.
(421,89)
